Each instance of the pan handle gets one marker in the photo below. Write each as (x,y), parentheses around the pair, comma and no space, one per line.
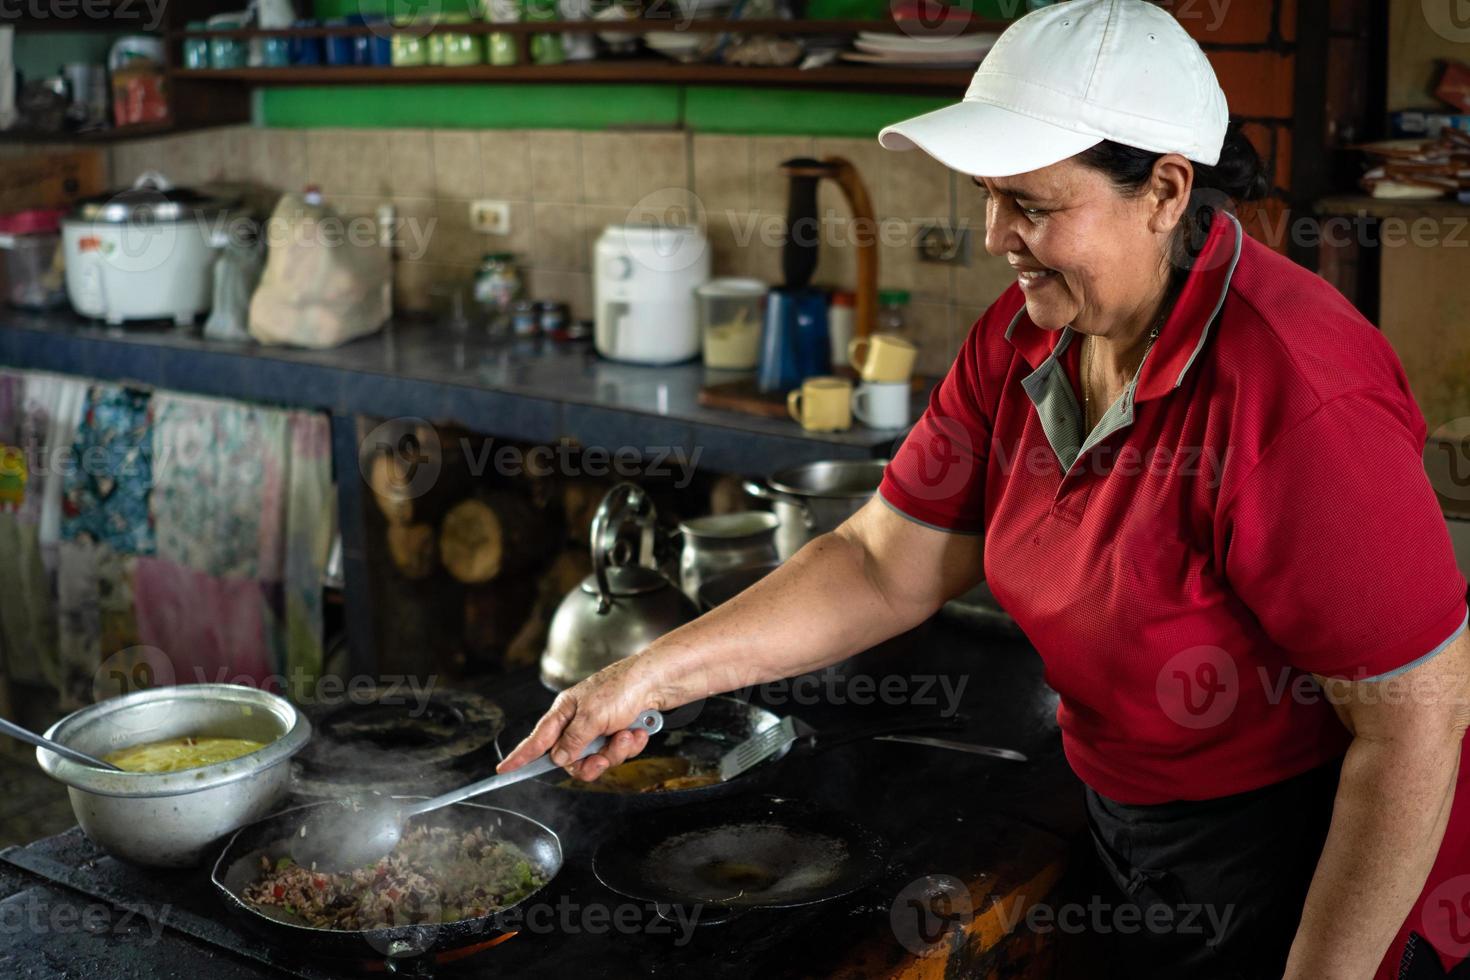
(760,491)
(821,741)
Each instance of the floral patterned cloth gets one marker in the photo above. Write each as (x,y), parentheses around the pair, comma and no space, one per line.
(111,473)
(193,525)
(218,471)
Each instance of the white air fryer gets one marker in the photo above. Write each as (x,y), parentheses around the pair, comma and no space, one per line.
(644,282)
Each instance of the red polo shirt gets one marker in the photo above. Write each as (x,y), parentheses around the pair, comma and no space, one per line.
(1252,510)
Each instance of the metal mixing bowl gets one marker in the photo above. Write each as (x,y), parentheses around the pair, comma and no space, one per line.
(171,819)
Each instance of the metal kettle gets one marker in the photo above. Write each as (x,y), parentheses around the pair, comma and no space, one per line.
(620,608)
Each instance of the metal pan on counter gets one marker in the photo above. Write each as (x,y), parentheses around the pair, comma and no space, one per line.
(680,764)
(721,860)
(407,947)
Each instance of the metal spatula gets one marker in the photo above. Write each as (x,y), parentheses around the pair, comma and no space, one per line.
(758,748)
(357,832)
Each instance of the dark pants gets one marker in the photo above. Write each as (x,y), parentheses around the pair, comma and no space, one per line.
(1207,889)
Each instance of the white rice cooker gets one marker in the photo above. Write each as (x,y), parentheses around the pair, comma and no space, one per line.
(145,253)
(644,282)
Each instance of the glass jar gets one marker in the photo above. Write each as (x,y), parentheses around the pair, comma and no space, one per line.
(461,49)
(275,52)
(893,312)
(546,49)
(226,52)
(500,48)
(497,286)
(410,49)
(196,49)
(525,319)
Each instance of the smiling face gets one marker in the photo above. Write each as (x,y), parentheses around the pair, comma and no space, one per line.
(1085,253)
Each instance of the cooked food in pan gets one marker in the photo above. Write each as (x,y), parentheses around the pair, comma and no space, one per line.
(652,774)
(433,875)
(174,754)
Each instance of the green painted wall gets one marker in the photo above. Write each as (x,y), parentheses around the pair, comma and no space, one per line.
(698,108)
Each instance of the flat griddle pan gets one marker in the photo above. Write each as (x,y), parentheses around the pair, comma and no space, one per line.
(704,732)
(723,859)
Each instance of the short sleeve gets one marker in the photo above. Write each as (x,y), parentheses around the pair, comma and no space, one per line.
(1336,542)
(937,477)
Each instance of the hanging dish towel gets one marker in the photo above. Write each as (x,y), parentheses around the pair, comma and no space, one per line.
(106,487)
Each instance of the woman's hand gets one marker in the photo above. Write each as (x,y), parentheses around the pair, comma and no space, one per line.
(604,704)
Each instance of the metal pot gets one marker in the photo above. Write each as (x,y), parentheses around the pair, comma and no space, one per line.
(814,498)
(171,819)
(722,542)
(618,609)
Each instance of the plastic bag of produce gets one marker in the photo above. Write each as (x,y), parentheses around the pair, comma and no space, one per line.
(325,281)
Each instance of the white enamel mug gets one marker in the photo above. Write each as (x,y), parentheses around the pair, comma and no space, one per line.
(882,404)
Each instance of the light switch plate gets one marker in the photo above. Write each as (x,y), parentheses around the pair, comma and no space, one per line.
(490,217)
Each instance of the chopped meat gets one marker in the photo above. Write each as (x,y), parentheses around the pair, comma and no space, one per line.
(433,875)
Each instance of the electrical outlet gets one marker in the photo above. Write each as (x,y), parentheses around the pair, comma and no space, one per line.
(490,217)
(944,245)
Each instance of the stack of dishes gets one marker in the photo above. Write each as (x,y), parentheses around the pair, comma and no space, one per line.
(682,44)
(904,51)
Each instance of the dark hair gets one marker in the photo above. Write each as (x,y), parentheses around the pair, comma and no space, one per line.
(1238,176)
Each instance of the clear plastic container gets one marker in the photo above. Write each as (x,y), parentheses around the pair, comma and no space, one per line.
(29,271)
(730,312)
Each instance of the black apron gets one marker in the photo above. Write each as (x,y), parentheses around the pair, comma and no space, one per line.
(1211,889)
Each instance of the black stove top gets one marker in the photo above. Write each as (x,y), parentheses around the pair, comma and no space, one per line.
(68,910)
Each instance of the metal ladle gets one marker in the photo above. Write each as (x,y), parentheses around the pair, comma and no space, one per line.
(358,832)
(40,741)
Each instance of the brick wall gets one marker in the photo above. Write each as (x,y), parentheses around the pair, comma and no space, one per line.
(1252,46)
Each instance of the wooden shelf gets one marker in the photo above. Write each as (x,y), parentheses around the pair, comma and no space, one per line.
(105,136)
(84,25)
(633,70)
(1359,205)
(642,25)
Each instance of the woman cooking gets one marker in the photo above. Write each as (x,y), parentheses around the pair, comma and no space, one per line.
(1193,474)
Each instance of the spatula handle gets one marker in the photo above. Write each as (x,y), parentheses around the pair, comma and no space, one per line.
(649,721)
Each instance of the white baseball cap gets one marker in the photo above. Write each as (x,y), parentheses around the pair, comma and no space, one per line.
(1065,78)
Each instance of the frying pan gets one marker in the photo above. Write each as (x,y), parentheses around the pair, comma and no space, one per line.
(720,860)
(717,725)
(397,948)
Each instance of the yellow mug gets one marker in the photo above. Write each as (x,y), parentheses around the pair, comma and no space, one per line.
(822,404)
(882,357)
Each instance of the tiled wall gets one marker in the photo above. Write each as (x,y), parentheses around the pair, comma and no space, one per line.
(565,186)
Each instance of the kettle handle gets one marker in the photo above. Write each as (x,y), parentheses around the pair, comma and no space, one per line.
(625,498)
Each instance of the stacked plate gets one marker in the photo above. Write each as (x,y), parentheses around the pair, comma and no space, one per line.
(905,51)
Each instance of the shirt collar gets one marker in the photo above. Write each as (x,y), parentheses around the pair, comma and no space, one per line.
(1184,333)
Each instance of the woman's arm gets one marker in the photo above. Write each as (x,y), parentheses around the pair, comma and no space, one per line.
(874,577)
(1398,781)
